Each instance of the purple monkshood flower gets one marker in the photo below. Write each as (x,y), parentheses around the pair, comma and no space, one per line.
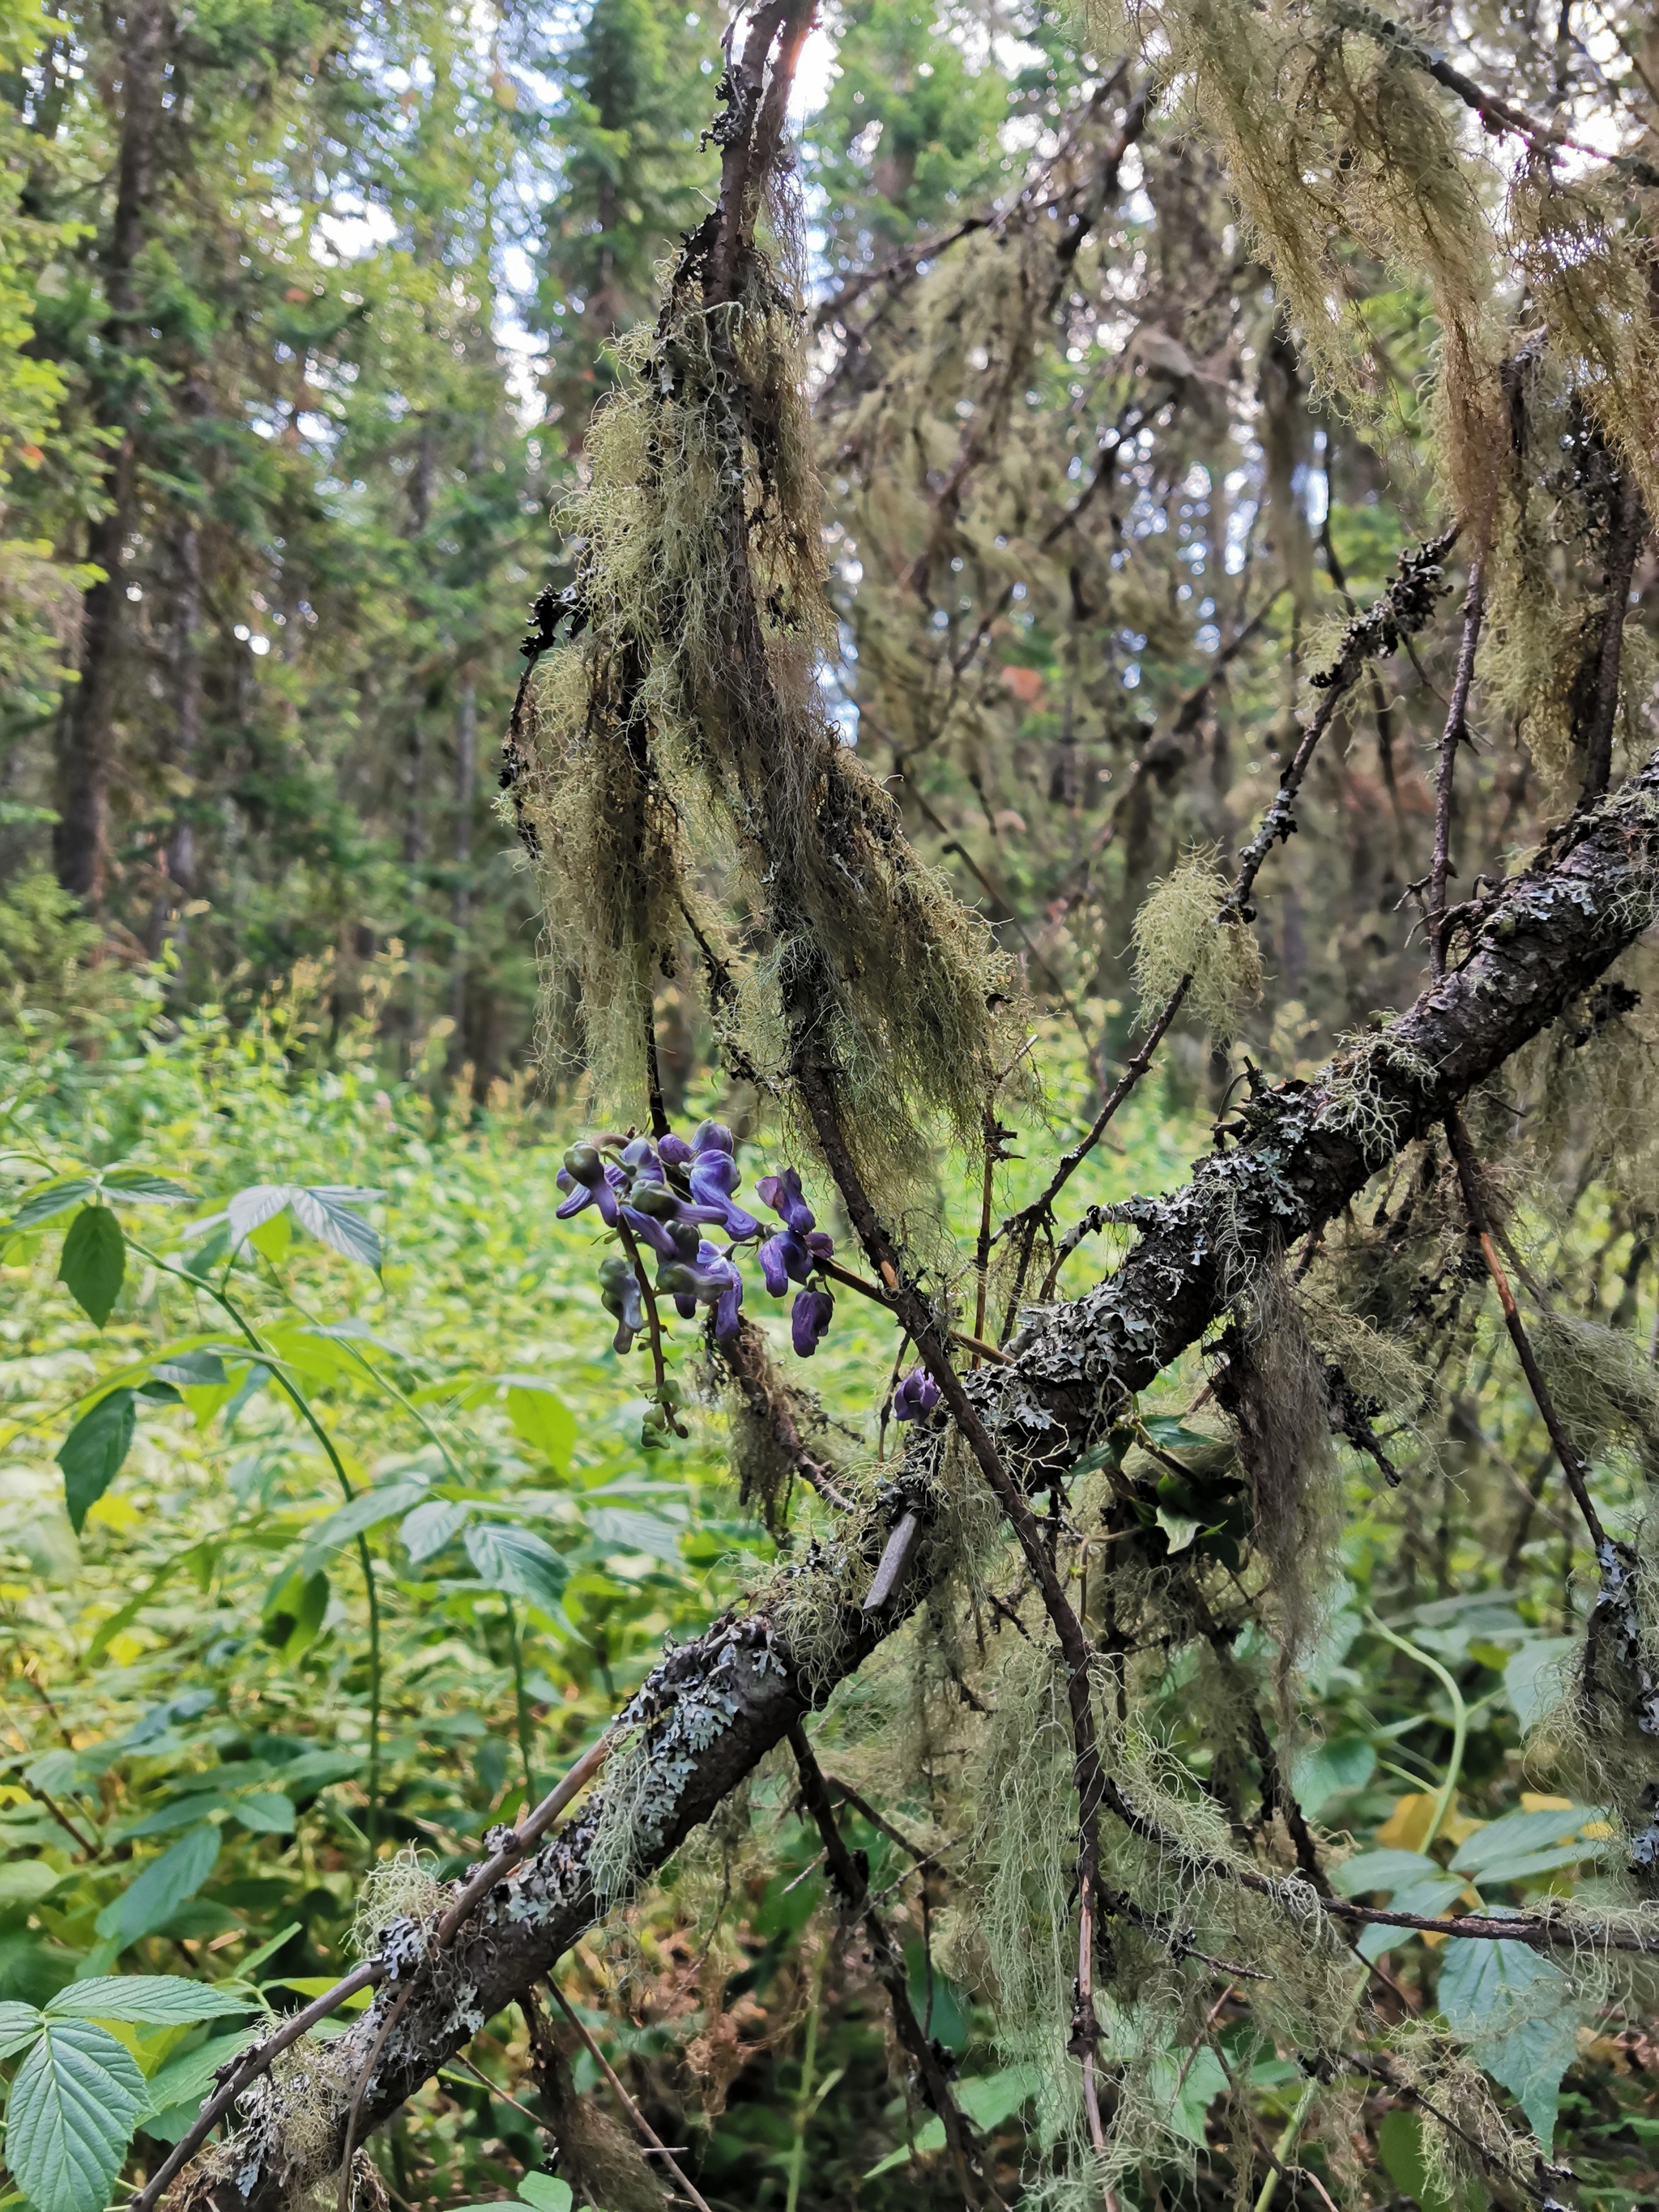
(620,1295)
(782,1193)
(712,1137)
(590,1182)
(915,1397)
(809,1321)
(714,1177)
(709,1279)
(784,1259)
(674,1151)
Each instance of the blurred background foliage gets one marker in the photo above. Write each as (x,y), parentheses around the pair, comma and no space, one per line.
(304,306)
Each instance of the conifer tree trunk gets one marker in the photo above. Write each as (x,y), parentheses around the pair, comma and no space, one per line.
(87,730)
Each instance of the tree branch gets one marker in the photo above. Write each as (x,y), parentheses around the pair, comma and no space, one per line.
(713,1708)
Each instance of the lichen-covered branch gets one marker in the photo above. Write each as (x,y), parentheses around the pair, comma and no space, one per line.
(715,1707)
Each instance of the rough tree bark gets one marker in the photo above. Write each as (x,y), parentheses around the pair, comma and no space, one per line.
(713,1708)
(86,735)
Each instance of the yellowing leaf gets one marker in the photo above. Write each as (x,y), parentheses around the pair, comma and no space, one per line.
(1407,1825)
(126,1647)
(1532,1801)
(119,1513)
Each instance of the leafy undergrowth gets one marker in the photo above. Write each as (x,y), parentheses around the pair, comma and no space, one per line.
(328,1545)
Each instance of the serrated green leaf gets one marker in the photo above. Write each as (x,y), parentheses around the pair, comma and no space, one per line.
(327,1212)
(385,1502)
(143,1188)
(544,1422)
(261,1202)
(77,2098)
(148,2000)
(431,1525)
(19,2026)
(93,1262)
(1519,1833)
(92,1454)
(1485,1986)
(630,1531)
(165,1884)
(265,1812)
(517,1562)
(47,1200)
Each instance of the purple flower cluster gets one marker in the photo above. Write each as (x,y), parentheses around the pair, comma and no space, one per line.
(663,1197)
(916,1396)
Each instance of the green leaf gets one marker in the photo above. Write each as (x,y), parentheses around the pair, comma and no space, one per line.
(431,1525)
(1170,1434)
(73,2107)
(1330,1770)
(1178,1530)
(161,1889)
(1528,1863)
(268,1949)
(191,1371)
(1484,1986)
(327,1210)
(48,1199)
(143,1189)
(1399,2145)
(386,1502)
(265,1812)
(26,1882)
(1428,1899)
(1383,1870)
(544,1422)
(1533,1678)
(92,1453)
(988,2099)
(1514,2010)
(1529,2061)
(261,1202)
(546,2194)
(94,1262)
(19,2026)
(148,2000)
(1519,1833)
(271,1239)
(177,2088)
(630,1531)
(294,1611)
(1183,2085)
(516,1562)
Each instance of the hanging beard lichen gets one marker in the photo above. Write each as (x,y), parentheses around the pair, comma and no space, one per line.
(680,782)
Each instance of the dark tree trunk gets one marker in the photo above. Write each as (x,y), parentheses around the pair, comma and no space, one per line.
(87,728)
(466,787)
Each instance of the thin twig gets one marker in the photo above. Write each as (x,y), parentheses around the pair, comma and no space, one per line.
(653,1323)
(890,1971)
(1468,1176)
(1624,543)
(1454,735)
(1403,607)
(622,2098)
